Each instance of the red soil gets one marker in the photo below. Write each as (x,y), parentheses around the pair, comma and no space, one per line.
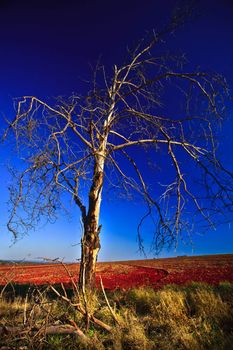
(155,272)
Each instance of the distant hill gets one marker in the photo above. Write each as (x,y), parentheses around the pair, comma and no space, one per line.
(25,262)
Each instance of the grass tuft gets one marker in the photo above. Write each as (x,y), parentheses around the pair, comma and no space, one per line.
(193,317)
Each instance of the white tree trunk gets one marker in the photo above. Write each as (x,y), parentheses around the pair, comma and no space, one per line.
(90,240)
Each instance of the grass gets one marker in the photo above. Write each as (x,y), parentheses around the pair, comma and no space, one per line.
(193,317)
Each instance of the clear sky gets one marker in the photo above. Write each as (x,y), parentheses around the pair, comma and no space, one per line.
(48,49)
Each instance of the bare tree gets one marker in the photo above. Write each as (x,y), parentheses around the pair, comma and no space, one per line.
(73,145)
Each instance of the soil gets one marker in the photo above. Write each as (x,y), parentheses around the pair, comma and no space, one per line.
(210,269)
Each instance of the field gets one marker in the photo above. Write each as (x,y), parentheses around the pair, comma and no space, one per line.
(155,273)
(183,303)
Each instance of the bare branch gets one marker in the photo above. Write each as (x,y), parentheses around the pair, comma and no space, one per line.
(128,132)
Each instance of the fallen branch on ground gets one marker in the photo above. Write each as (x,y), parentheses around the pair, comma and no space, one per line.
(48,330)
(80,308)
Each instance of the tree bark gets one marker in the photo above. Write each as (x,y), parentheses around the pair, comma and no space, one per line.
(90,243)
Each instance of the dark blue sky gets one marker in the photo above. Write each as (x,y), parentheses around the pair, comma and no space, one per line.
(49,49)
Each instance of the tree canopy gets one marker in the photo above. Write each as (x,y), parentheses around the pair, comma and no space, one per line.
(146,120)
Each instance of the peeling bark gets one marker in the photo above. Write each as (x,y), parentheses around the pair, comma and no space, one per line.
(90,240)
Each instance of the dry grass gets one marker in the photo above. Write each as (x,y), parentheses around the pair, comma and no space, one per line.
(193,317)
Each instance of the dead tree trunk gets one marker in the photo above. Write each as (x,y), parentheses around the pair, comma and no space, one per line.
(90,243)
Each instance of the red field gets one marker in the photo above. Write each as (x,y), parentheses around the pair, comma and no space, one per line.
(127,274)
